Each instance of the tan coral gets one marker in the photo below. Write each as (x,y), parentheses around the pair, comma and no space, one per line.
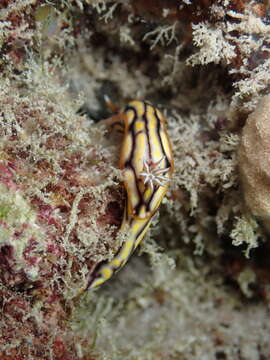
(254,161)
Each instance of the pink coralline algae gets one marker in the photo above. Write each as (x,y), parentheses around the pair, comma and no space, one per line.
(52,215)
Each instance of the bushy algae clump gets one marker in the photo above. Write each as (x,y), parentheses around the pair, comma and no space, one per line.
(205,64)
(53,213)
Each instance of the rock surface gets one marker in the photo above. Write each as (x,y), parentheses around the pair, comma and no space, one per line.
(254,161)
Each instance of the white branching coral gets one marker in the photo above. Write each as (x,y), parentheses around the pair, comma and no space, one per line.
(214,47)
(242,40)
(246,231)
(199,164)
(164,34)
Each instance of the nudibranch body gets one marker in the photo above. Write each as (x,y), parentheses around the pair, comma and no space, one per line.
(147,163)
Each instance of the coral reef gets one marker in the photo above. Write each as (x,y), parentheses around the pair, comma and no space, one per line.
(201,289)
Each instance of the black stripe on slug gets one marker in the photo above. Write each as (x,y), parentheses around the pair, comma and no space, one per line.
(168,163)
(141,230)
(135,115)
(146,121)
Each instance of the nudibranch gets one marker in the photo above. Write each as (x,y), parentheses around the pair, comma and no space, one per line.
(147,162)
